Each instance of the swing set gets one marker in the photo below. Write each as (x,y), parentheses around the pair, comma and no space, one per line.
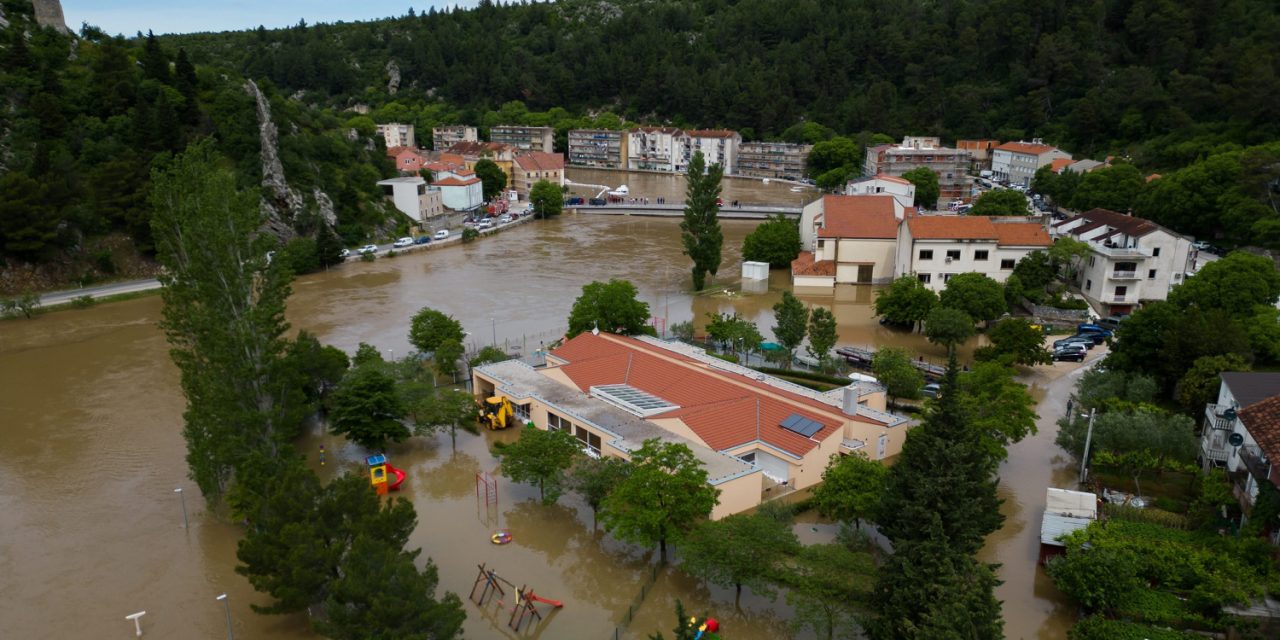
(490,584)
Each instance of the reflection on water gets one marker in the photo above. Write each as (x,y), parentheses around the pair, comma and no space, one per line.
(91,447)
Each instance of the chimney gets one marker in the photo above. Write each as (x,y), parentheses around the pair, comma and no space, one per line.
(849,400)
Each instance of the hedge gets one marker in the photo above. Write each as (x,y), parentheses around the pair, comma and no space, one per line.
(804,375)
(1099,628)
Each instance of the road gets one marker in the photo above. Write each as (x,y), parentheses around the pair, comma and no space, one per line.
(100,291)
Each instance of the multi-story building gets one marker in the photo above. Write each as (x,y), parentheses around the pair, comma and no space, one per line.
(414,197)
(1130,259)
(718,146)
(472,152)
(979,152)
(773,160)
(461,194)
(951,165)
(407,160)
(449,135)
(604,148)
(532,166)
(1017,162)
(937,247)
(756,436)
(901,189)
(1242,433)
(524,138)
(655,149)
(397,135)
(849,240)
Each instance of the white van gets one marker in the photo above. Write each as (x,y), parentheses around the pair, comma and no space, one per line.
(862,377)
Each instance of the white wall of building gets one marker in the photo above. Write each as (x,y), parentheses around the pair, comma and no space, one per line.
(462,197)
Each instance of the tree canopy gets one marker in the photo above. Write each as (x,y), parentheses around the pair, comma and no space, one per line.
(609,306)
(906,301)
(948,327)
(492,179)
(366,408)
(1016,341)
(662,498)
(1000,202)
(926,183)
(700,231)
(851,488)
(975,294)
(546,198)
(540,457)
(893,368)
(429,328)
(822,333)
(742,549)
(793,321)
(775,241)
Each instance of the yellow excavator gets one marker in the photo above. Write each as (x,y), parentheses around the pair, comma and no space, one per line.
(497,413)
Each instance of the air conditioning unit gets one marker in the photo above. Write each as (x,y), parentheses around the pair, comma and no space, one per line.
(948,259)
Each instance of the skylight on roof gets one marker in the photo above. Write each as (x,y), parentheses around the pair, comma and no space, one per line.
(799,424)
(632,399)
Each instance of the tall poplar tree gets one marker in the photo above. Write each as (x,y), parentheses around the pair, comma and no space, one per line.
(793,320)
(223,317)
(700,231)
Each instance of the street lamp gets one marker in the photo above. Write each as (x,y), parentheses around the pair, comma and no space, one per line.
(493,322)
(137,626)
(183,498)
(227,608)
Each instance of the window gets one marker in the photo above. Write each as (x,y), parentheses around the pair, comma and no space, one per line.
(980,254)
(556,423)
(1155,252)
(924,277)
(1151,274)
(926,254)
(946,277)
(1120,292)
(953,254)
(1088,284)
(522,412)
(590,442)
(748,457)
(1007,263)
(1091,261)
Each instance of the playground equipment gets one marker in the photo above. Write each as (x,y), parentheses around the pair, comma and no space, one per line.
(487,493)
(490,583)
(379,469)
(497,413)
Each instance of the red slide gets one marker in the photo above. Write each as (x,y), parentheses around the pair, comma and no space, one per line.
(536,598)
(394,485)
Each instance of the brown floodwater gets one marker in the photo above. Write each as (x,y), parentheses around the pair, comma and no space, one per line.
(91,452)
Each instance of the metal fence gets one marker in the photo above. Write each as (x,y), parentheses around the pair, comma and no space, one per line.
(637,601)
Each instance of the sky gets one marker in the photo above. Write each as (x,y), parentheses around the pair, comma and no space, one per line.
(128,17)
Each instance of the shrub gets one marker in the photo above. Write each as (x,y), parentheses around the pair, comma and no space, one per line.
(1099,628)
(368,257)
(804,375)
(83,302)
(469,234)
(104,260)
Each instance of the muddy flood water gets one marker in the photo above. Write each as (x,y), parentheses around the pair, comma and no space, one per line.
(91,451)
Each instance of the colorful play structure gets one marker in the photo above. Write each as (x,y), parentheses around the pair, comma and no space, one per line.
(381,473)
(490,583)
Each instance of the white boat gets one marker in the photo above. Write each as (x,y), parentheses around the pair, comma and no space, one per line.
(797,189)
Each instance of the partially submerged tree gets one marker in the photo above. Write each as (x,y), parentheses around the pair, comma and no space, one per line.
(596,478)
(540,457)
(948,327)
(851,488)
(663,496)
(611,306)
(742,549)
(975,294)
(429,328)
(905,302)
(793,320)
(776,241)
(1016,341)
(367,409)
(700,230)
(546,198)
(822,334)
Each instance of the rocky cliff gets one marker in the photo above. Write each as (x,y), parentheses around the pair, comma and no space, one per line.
(49,14)
(281,203)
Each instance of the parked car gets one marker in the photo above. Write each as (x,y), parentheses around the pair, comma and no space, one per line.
(422,240)
(932,390)
(1200,245)
(487,223)
(504,219)
(442,234)
(368,248)
(1111,322)
(1093,328)
(1069,355)
(403,242)
(1084,341)
(862,377)
(344,253)
(597,202)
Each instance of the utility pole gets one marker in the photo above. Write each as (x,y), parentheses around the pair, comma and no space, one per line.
(1088,438)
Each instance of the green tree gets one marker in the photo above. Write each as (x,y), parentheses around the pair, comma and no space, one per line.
(492,179)
(1001,409)
(851,488)
(320,367)
(328,247)
(300,255)
(486,355)
(366,408)
(446,357)
(546,198)
(1000,202)
(1045,182)
(663,496)
(541,458)
(1098,388)
(1035,271)
(742,549)
(700,231)
(448,409)
(733,331)
(380,593)
(1148,432)
(1200,384)
(223,318)
(429,328)
(975,294)
(793,320)
(775,241)
(837,154)
(828,584)
(926,183)
(596,478)
(609,306)
(1236,284)
(1016,341)
(28,224)
(893,368)
(905,301)
(948,327)
(1115,188)
(1066,253)
(822,334)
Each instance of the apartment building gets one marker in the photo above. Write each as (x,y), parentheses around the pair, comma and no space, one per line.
(979,153)
(1241,433)
(524,138)
(449,135)
(1130,259)
(1017,162)
(773,160)
(532,166)
(407,160)
(655,149)
(718,146)
(937,247)
(951,165)
(413,197)
(756,435)
(603,148)
(397,135)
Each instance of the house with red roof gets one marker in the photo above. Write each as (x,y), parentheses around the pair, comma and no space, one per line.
(936,247)
(1242,433)
(532,166)
(461,194)
(756,436)
(407,159)
(855,238)
(718,146)
(1017,162)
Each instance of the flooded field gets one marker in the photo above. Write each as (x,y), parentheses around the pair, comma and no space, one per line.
(91,451)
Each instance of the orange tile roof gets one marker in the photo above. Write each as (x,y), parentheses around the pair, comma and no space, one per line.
(870,217)
(1061,163)
(711,133)
(393,151)
(1022,234)
(805,265)
(1262,419)
(455,182)
(724,409)
(453,158)
(1025,147)
(540,161)
(1154,176)
(952,228)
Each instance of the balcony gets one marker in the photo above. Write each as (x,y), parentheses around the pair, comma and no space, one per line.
(1124,275)
(1256,462)
(1120,299)
(1119,252)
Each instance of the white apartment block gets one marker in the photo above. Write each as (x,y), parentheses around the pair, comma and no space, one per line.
(444,137)
(718,146)
(396,134)
(1131,259)
(524,138)
(937,247)
(1017,162)
(655,149)
(414,197)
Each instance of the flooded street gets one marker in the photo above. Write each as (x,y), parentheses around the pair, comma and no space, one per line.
(91,451)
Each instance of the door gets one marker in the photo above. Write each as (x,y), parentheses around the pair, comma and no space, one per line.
(882,446)
(864,273)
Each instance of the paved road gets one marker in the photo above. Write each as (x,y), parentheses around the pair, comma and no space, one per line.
(100,291)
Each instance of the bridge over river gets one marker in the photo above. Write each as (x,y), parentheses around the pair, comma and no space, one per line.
(676,209)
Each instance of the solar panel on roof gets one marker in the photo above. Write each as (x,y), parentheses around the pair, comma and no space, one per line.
(797,423)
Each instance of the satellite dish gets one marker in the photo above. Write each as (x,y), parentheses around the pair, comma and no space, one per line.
(1235,439)
(1229,414)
